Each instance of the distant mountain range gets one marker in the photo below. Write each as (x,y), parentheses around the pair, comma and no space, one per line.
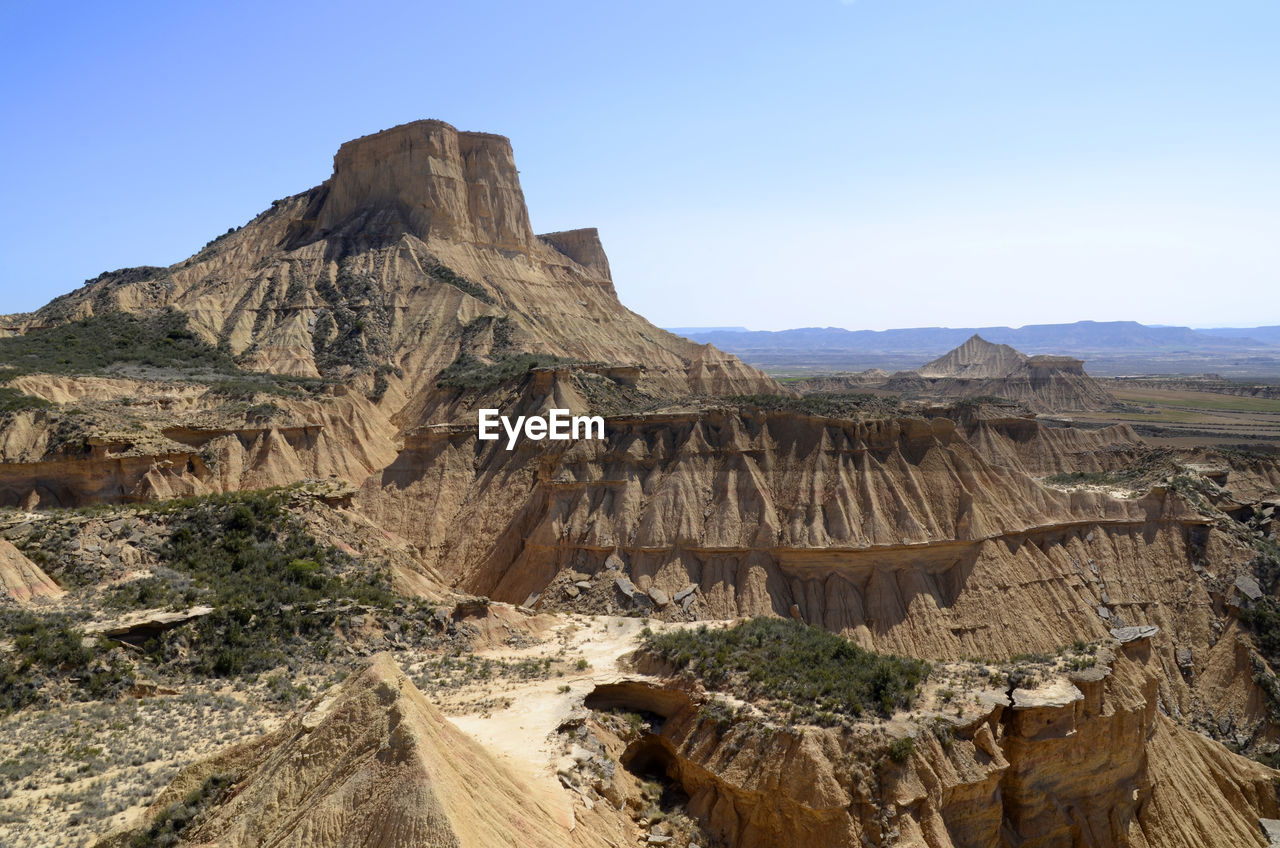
(1109,347)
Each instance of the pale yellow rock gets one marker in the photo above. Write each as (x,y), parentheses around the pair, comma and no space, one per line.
(21,579)
(400,204)
(373,763)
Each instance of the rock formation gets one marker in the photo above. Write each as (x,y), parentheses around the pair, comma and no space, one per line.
(373,763)
(978,368)
(21,579)
(1088,762)
(976,359)
(932,534)
(417,249)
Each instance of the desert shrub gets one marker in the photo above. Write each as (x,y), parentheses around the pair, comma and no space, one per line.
(444,274)
(150,592)
(167,828)
(826,404)
(246,386)
(267,578)
(101,342)
(1263,618)
(12,400)
(821,676)
(1099,478)
(901,749)
(49,647)
(984,400)
(468,373)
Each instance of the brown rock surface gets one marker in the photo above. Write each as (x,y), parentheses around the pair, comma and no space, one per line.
(372,763)
(979,368)
(1100,767)
(21,579)
(419,240)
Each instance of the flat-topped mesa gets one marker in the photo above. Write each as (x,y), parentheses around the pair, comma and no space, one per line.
(1043,364)
(446,184)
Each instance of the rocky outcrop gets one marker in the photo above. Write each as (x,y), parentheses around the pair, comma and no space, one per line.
(345,437)
(372,763)
(976,359)
(977,368)
(438,182)
(1089,762)
(418,242)
(21,579)
(584,247)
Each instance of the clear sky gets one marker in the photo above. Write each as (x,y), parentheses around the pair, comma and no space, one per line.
(868,164)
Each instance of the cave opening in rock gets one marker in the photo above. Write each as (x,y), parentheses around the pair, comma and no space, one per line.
(650,759)
(655,764)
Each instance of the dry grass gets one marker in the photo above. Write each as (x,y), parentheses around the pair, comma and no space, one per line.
(73,772)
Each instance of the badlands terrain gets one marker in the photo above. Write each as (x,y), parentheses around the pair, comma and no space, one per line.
(263,584)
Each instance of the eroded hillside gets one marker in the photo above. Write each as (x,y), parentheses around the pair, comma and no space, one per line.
(228,483)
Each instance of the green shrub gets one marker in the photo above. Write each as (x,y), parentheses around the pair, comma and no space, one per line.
(267,578)
(1262,616)
(826,404)
(985,400)
(444,274)
(819,675)
(49,647)
(246,386)
(101,342)
(468,373)
(167,828)
(900,749)
(12,400)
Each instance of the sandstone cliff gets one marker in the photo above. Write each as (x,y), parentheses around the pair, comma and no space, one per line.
(417,249)
(1089,762)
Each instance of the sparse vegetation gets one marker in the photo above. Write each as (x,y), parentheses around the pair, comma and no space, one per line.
(1135,472)
(901,749)
(246,386)
(49,647)
(985,400)
(470,373)
(269,580)
(1262,617)
(827,404)
(815,675)
(444,274)
(111,341)
(167,828)
(12,400)
(352,330)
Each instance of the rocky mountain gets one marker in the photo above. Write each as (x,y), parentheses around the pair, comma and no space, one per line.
(416,251)
(248,520)
(976,359)
(979,368)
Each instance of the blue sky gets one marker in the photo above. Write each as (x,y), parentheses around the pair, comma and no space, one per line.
(869,164)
